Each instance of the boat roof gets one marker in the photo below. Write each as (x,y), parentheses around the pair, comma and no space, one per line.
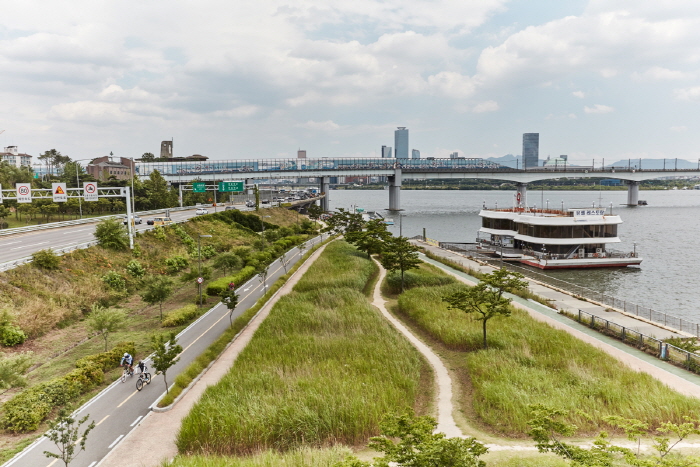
(534,216)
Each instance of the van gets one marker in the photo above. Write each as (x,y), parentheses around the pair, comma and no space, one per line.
(162,221)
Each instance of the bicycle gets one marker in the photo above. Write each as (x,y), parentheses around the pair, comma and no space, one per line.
(127,372)
(143,377)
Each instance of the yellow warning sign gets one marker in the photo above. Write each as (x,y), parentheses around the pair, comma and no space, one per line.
(59,190)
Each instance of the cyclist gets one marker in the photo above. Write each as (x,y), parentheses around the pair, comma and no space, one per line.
(141,366)
(127,360)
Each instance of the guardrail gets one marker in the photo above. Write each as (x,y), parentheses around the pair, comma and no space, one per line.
(651,345)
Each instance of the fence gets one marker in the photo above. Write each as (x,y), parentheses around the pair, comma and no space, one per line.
(668,352)
(659,317)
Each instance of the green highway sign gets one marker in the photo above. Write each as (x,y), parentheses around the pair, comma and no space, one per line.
(199,187)
(231,186)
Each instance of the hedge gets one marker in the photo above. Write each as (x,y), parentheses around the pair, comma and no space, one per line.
(25,411)
(220,285)
(182,315)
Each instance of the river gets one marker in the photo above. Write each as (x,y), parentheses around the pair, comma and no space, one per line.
(664,231)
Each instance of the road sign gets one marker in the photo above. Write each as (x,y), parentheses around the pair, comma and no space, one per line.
(231,185)
(90,191)
(0,193)
(199,187)
(60,193)
(200,280)
(24,192)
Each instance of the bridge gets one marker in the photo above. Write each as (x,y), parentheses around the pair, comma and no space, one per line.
(395,170)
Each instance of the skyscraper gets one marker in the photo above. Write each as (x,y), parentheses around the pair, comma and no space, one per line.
(386,151)
(531,149)
(401,142)
(415,154)
(301,154)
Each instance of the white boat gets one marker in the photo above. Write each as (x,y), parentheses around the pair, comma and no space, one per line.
(554,239)
(374,215)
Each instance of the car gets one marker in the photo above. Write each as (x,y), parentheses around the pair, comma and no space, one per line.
(201,211)
(136,219)
(249,204)
(162,221)
(231,208)
(150,221)
(265,201)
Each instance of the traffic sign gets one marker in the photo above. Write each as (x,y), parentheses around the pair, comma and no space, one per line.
(24,192)
(200,280)
(231,185)
(90,191)
(0,193)
(60,195)
(199,187)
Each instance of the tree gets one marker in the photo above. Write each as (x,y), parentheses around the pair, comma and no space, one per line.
(399,255)
(263,271)
(284,259)
(159,194)
(148,157)
(503,280)
(230,299)
(105,321)
(111,234)
(12,369)
(4,213)
(227,261)
(165,353)
(419,446)
(315,212)
(481,300)
(64,432)
(157,289)
(372,239)
(343,222)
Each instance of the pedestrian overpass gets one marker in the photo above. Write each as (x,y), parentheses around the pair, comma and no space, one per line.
(396,170)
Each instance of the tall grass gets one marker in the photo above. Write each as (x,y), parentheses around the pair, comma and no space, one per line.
(323,368)
(304,457)
(529,362)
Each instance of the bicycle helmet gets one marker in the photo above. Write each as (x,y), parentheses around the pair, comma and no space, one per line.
(126,354)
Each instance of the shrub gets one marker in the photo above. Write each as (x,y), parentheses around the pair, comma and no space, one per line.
(111,234)
(182,315)
(208,251)
(11,335)
(135,269)
(46,259)
(176,264)
(220,285)
(114,280)
(107,360)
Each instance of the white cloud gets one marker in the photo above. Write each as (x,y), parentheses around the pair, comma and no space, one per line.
(487,106)
(328,125)
(679,129)
(578,94)
(598,109)
(687,94)
(657,73)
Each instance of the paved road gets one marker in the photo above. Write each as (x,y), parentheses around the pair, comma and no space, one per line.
(119,407)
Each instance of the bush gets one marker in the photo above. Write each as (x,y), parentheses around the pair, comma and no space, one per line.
(182,315)
(11,335)
(221,285)
(114,280)
(46,259)
(204,299)
(135,269)
(107,360)
(111,234)
(176,264)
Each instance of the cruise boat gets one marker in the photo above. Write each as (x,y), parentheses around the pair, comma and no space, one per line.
(554,239)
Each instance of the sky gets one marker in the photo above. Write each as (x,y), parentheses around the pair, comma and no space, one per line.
(598,80)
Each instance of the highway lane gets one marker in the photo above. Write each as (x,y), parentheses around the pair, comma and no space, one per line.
(119,407)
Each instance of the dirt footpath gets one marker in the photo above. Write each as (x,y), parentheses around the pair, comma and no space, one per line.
(156,433)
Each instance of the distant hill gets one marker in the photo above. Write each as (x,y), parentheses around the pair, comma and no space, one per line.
(509,160)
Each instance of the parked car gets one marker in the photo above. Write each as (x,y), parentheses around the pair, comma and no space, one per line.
(201,211)
(149,221)
(136,219)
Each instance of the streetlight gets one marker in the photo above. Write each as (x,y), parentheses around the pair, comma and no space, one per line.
(262,221)
(199,277)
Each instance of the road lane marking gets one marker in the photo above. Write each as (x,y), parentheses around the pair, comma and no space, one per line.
(93,463)
(98,423)
(52,462)
(137,420)
(115,442)
(10,243)
(124,402)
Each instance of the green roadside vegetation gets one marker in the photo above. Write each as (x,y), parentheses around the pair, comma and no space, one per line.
(322,369)
(51,305)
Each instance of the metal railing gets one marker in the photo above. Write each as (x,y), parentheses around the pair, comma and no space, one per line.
(658,317)
(651,345)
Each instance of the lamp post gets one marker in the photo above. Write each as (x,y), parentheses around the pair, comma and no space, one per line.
(199,276)
(262,222)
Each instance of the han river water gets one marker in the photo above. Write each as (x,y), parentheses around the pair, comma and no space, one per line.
(666,233)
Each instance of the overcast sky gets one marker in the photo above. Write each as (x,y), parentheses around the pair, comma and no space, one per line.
(611,80)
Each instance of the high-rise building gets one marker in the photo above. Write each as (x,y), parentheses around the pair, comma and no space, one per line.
(454,155)
(301,154)
(415,154)
(401,143)
(166,149)
(386,152)
(531,150)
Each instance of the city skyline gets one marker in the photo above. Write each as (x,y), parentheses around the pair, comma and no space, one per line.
(597,80)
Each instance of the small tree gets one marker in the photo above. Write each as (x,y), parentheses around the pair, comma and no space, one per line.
(230,299)
(64,432)
(46,259)
(372,239)
(263,271)
(284,259)
(105,321)
(165,353)
(343,222)
(315,212)
(400,255)
(12,369)
(419,446)
(111,234)
(157,289)
(503,280)
(227,261)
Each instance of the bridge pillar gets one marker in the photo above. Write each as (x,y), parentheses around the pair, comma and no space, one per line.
(249,182)
(522,194)
(325,190)
(632,193)
(395,191)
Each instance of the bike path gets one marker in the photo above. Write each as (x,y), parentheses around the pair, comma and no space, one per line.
(119,408)
(676,378)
